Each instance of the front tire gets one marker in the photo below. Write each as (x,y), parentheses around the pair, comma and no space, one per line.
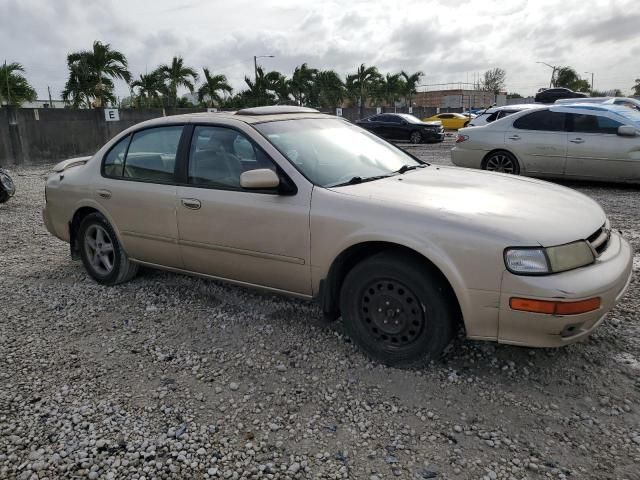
(503,162)
(397,311)
(102,256)
(415,137)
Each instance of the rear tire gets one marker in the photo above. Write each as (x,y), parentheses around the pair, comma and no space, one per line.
(397,311)
(503,162)
(102,256)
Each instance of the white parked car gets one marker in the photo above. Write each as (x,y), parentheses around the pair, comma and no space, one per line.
(623,101)
(496,113)
(582,141)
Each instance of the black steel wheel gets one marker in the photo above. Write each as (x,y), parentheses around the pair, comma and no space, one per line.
(392,313)
(502,162)
(398,310)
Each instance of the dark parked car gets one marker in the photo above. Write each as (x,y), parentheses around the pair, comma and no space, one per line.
(550,95)
(402,126)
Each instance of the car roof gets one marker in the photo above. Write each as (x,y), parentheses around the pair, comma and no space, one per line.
(249,115)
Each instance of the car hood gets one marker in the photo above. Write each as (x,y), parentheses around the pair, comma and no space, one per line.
(520,209)
(433,123)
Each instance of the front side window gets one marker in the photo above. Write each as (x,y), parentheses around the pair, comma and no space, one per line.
(594,124)
(331,151)
(545,120)
(219,155)
(152,154)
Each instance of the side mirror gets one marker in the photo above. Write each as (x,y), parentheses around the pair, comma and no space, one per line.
(259,179)
(627,131)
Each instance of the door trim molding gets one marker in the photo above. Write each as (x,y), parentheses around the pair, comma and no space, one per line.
(148,236)
(240,251)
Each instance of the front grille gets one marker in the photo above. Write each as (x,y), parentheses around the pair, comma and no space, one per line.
(599,240)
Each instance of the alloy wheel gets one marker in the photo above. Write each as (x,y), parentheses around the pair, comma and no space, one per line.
(99,249)
(415,137)
(501,163)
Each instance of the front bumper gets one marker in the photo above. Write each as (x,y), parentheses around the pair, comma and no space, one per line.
(432,135)
(608,279)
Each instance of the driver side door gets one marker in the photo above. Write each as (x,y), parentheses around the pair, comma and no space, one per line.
(260,238)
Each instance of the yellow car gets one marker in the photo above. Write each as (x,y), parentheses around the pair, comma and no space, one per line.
(450,121)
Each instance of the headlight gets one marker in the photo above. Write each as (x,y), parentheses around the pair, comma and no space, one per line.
(540,261)
(529,261)
(570,256)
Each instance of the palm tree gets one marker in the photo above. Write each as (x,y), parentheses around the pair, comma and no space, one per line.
(177,75)
(302,83)
(14,87)
(329,89)
(212,85)
(410,84)
(149,86)
(361,84)
(281,86)
(567,77)
(94,70)
(389,89)
(636,87)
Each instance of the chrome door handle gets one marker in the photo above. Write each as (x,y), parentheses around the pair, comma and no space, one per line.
(514,137)
(576,140)
(104,193)
(191,203)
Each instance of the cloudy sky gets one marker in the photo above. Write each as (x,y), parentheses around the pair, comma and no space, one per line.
(450,41)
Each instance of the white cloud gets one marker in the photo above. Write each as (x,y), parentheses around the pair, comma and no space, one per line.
(449,41)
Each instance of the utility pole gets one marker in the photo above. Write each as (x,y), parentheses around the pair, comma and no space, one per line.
(591,79)
(50,101)
(553,73)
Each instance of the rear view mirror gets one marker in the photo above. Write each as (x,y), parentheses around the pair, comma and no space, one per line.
(627,131)
(261,178)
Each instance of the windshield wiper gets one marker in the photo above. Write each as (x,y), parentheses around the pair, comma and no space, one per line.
(356,180)
(406,168)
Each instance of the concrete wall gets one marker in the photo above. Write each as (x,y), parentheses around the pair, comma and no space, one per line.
(30,136)
(33,136)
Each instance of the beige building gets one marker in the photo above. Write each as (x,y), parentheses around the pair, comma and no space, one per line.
(458,98)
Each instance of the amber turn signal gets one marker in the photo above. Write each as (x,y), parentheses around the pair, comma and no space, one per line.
(554,308)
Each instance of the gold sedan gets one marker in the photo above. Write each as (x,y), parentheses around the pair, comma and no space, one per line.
(450,121)
(310,205)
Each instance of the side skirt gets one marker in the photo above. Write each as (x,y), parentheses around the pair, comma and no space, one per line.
(222,279)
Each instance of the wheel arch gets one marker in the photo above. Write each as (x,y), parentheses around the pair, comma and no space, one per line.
(330,286)
(80,213)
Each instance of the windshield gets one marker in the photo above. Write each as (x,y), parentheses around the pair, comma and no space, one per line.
(331,151)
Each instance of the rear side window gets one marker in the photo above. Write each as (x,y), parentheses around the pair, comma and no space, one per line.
(152,154)
(593,124)
(114,161)
(544,120)
(492,117)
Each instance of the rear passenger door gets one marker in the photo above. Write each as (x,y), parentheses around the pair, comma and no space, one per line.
(137,191)
(539,140)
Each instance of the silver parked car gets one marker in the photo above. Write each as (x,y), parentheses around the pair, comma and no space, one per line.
(496,113)
(629,102)
(581,141)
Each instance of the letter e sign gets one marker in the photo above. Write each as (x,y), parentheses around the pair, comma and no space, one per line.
(111,115)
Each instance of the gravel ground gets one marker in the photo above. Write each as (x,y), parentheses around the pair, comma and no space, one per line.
(176,377)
